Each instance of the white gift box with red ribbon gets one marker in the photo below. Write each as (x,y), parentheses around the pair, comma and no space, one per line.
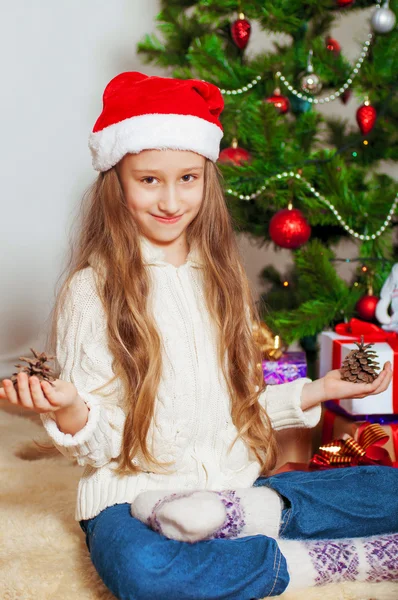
(336,345)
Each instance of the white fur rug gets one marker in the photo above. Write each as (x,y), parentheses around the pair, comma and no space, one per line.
(43,555)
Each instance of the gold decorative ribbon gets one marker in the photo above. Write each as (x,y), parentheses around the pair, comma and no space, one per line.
(348,452)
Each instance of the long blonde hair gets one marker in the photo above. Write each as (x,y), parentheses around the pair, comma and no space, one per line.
(108,231)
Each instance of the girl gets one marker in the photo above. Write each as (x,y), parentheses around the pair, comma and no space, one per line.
(160,397)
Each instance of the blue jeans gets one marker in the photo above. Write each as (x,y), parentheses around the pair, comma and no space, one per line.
(136,563)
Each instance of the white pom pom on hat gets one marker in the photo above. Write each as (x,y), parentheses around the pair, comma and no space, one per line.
(142,112)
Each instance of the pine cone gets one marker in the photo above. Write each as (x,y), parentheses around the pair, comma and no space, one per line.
(36,367)
(359,365)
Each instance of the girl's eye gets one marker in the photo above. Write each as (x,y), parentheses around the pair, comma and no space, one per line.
(150,180)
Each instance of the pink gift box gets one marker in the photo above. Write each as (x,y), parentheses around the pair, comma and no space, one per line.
(290,366)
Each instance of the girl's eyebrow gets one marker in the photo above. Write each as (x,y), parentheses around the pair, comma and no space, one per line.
(160,171)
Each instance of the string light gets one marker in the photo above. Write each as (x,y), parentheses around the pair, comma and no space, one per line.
(310,99)
(341,90)
(286,284)
(285,174)
(245,88)
(309,186)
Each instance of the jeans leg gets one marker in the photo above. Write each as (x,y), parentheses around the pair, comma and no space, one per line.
(337,503)
(136,563)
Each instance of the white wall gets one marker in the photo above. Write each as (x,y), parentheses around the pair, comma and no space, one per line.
(57,59)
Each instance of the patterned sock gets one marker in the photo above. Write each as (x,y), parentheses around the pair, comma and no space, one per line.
(199,515)
(318,562)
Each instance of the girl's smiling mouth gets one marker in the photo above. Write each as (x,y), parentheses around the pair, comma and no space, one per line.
(167,220)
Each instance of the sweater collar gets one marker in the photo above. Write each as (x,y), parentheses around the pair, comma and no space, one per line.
(153,254)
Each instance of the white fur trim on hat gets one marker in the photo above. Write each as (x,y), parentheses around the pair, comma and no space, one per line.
(154,132)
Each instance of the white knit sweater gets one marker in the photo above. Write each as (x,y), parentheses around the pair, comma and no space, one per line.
(192,424)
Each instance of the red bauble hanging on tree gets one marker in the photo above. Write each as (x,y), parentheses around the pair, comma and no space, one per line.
(366,307)
(234,154)
(240,31)
(366,117)
(289,228)
(332,45)
(343,3)
(280,102)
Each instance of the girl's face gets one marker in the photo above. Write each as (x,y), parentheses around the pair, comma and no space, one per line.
(163,183)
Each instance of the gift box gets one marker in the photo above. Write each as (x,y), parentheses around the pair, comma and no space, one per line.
(334,347)
(337,426)
(290,366)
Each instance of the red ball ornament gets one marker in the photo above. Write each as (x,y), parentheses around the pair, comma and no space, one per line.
(240,31)
(332,45)
(234,154)
(289,228)
(345,96)
(366,307)
(366,117)
(343,3)
(280,102)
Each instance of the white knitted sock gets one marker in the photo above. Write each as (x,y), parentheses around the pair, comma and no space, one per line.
(194,516)
(318,562)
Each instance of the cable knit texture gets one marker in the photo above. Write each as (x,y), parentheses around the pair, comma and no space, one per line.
(192,425)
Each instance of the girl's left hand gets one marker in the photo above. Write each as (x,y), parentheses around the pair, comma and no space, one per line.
(336,388)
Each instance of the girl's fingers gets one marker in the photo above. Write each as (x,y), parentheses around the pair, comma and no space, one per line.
(367,389)
(384,382)
(39,400)
(24,394)
(49,393)
(30,393)
(379,385)
(380,379)
(10,391)
(384,373)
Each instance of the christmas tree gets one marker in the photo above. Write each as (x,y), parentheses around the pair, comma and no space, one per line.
(293,177)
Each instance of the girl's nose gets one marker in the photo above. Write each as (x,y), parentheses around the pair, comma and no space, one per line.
(169,201)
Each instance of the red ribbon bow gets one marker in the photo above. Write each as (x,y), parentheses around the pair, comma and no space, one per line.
(348,452)
(356,328)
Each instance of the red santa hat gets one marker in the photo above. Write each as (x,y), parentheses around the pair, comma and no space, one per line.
(143,113)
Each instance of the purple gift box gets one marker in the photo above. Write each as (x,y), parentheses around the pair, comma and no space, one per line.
(290,366)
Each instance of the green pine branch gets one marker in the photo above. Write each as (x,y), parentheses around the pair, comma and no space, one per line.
(194,41)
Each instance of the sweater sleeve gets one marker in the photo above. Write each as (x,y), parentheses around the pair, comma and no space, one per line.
(283,405)
(83,355)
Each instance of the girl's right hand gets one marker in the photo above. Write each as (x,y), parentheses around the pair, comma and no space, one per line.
(39,396)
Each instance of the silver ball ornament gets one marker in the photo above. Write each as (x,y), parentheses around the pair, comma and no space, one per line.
(383,19)
(310,83)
